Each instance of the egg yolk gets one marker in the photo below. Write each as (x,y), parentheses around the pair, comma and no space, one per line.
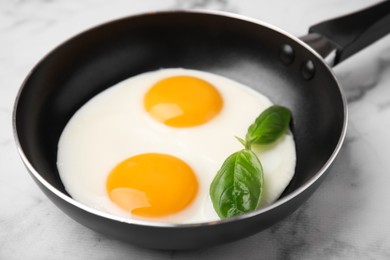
(183,101)
(152,185)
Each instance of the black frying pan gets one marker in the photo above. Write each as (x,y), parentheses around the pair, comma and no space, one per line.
(279,65)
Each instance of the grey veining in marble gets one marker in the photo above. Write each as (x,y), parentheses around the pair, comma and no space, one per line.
(348,217)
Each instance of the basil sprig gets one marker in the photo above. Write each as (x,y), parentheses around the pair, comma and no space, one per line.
(238,185)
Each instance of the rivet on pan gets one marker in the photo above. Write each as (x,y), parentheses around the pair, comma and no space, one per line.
(286,54)
(308,70)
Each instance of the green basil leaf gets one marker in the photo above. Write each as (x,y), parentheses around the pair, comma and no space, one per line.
(237,187)
(269,126)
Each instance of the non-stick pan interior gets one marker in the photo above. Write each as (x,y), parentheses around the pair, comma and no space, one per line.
(238,49)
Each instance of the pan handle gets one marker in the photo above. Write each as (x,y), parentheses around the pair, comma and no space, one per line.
(339,38)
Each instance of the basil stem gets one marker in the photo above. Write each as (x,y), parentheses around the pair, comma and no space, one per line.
(237,187)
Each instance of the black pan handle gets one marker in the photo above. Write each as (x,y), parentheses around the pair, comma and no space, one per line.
(346,35)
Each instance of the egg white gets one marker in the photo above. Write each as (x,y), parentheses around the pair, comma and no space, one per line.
(114,125)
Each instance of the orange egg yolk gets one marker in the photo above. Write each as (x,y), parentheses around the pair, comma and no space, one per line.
(152,185)
(183,101)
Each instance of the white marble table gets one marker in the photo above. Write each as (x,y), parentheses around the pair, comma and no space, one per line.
(348,217)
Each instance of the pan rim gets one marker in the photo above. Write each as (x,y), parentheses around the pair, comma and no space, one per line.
(35,174)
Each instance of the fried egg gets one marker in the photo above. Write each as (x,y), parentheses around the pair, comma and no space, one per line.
(149,147)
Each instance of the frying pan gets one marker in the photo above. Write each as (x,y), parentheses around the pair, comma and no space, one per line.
(283,67)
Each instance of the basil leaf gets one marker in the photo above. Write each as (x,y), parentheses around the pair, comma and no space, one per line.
(237,187)
(269,126)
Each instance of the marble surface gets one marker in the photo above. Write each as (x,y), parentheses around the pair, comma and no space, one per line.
(348,217)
